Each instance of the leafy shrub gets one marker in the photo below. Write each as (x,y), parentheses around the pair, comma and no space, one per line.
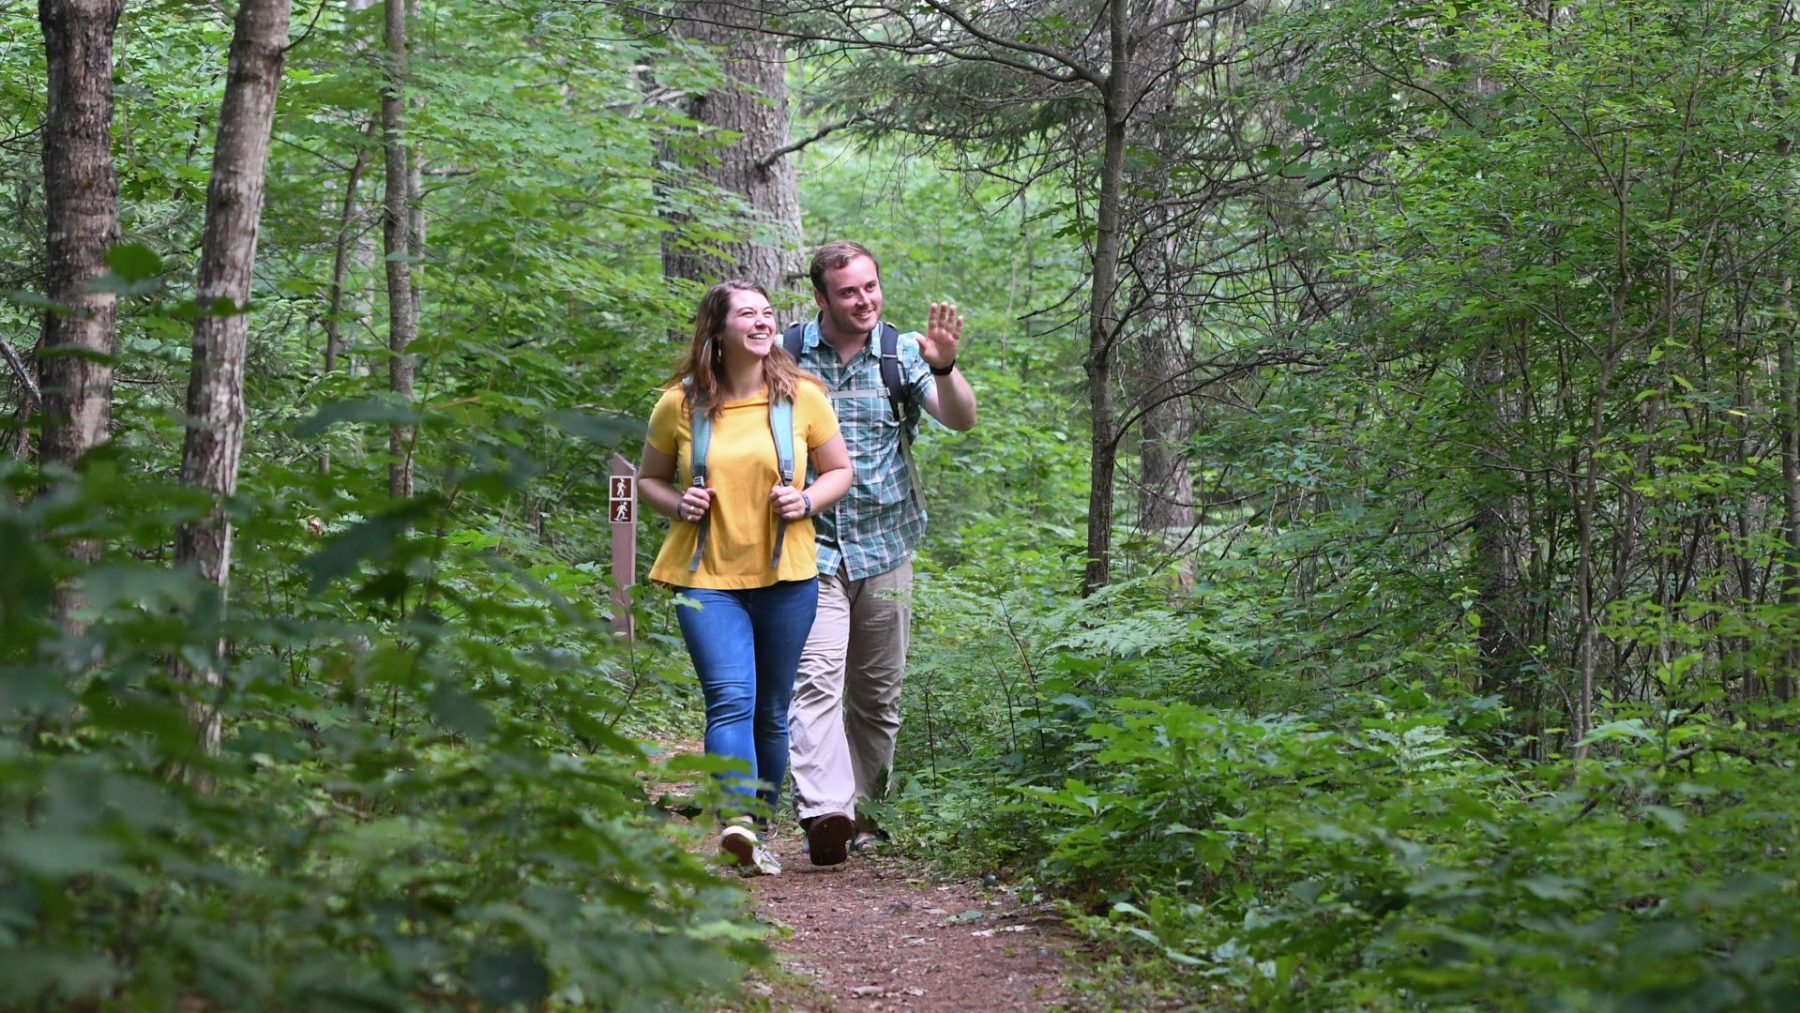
(424,797)
(1388,864)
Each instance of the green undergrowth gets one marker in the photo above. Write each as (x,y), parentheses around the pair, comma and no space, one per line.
(430,792)
(1364,849)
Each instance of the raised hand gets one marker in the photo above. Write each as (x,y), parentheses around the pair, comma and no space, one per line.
(943,332)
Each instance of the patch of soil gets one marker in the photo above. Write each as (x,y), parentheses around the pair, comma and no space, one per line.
(877,934)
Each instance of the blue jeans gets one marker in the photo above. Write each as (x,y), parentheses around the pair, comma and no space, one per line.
(746,645)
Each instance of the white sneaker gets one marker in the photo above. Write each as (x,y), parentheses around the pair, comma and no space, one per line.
(739,846)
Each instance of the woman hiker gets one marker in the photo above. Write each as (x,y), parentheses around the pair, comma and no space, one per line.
(741,547)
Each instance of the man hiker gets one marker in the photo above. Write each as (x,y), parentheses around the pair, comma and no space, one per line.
(846,705)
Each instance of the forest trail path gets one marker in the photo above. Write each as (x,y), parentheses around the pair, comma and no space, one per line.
(879,933)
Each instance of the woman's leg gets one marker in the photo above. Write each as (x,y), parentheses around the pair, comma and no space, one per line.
(781,615)
(721,643)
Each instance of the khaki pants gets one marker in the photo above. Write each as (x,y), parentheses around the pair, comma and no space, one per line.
(846,708)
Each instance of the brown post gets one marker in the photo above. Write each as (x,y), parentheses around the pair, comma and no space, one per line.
(621,507)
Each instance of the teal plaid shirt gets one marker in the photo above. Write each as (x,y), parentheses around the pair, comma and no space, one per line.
(878,524)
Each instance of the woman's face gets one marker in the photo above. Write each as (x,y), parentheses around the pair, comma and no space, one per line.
(749,328)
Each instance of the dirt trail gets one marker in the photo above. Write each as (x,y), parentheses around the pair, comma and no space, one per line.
(878,933)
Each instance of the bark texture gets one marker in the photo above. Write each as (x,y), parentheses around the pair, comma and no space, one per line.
(81,194)
(215,404)
(753,103)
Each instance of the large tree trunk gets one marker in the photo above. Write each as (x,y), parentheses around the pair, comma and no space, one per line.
(81,198)
(81,204)
(396,231)
(754,103)
(215,405)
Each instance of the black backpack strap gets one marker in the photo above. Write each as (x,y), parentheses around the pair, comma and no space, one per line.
(793,338)
(906,410)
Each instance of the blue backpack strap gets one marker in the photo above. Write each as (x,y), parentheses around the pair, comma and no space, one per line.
(700,427)
(793,338)
(781,429)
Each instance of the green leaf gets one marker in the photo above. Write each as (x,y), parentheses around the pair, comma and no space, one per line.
(134,262)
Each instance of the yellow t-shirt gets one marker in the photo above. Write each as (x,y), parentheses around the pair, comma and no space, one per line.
(741,469)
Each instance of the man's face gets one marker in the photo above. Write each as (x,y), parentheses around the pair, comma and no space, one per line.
(851,301)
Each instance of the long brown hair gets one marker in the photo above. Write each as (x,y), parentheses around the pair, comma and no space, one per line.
(699,371)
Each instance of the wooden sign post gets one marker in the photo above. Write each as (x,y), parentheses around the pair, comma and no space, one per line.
(621,508)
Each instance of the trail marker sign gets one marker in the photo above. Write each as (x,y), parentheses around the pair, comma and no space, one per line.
(621,509)
(622,503)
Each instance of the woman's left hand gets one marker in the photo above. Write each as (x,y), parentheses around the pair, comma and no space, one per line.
(788,502)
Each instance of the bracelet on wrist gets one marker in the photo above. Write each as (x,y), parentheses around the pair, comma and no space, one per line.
(804,498)
(946,370)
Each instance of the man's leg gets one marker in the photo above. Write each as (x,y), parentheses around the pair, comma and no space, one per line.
(875,666)
(820,758)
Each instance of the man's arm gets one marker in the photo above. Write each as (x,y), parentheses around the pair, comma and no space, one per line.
(951,400)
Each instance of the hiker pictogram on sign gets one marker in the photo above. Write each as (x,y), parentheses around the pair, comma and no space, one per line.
(623,499)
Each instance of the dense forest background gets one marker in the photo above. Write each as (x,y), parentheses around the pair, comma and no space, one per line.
(1374,582)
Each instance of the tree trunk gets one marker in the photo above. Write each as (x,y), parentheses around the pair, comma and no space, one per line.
(340,270)
(396,231)
(1108,242)
(81,197)
(1158,361)
(753,102)
(1789,397)
(81,215)
(1494,564)
(215,404)
(1790,478)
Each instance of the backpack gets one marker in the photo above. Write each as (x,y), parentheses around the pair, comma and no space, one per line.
(781,430)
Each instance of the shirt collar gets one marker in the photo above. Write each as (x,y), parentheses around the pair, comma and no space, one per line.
(812,337)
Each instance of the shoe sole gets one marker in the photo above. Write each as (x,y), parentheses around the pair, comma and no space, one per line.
(740,847)
(828,839)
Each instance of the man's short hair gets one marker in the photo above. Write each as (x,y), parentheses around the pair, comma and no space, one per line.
(836,254)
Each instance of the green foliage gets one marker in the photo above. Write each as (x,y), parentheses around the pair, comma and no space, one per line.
(431,791)
(424,795)
(1374,859)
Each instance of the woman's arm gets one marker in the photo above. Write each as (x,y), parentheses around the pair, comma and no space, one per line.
(656,486)
(831,463)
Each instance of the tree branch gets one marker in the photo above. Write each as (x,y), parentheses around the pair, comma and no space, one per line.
(18,367)
(775,156)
